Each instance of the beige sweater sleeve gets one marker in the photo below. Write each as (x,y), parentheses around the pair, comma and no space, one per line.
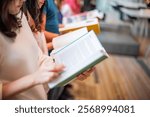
(0,66)
(0,90)
(40,38)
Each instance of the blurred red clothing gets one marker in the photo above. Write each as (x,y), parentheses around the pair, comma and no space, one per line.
(74,5)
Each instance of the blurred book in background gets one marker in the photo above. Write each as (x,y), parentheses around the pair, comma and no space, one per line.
(91,24)
(83,16)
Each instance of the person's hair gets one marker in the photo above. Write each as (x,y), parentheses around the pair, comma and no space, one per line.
(36,13)
(8,23)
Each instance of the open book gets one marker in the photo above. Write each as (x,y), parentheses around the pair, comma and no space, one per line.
(91,24)
(78,55)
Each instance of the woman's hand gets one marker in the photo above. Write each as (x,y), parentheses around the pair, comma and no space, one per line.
(47,72)
(61,25)
(85,74)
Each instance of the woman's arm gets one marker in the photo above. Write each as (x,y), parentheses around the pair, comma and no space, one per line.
(18,86)
(47,72)
(49,36)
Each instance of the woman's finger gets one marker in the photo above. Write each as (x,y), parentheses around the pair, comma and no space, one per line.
(57,68)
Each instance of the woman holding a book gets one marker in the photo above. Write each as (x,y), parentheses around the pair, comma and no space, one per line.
(23,68)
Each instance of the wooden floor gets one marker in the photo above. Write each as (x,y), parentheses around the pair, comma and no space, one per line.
(117,78)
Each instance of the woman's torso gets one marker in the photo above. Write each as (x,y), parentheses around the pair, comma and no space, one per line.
(20,58)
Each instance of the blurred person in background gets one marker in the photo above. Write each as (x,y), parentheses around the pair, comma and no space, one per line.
(60,15)
(50,24)
(75,6)
(70,7)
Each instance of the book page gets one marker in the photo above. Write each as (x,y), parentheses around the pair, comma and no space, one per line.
(65,39)
(78,55)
